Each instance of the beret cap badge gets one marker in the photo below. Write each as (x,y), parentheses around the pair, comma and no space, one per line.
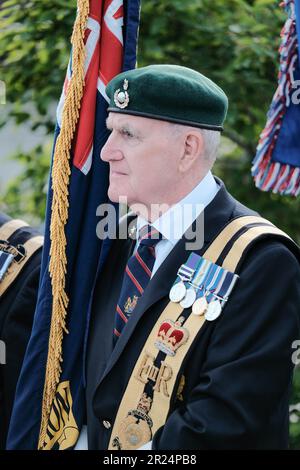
(121,97)
(155,90)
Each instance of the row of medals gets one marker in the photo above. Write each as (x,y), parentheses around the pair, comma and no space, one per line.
(187,296)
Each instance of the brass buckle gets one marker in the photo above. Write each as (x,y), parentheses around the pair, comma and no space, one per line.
(18,252)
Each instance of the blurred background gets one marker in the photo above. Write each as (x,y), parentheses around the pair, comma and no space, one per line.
(234,42)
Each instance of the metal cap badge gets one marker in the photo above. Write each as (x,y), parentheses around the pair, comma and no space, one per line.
(121,98)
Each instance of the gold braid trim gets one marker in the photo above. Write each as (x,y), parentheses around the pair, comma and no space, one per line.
(59,214)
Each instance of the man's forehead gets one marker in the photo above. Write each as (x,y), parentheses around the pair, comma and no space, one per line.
(122,120)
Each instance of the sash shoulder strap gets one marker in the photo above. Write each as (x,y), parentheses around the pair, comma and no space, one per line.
(18,243)
(229,248)
(155,377)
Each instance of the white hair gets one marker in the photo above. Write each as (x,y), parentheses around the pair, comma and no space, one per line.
(211,140)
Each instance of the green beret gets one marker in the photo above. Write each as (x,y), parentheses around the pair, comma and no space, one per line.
(170,93)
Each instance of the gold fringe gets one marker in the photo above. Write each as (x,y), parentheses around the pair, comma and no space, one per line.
(59,216)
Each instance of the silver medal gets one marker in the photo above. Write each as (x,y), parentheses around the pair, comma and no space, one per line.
(189,298)
(213,311)
(177,292)
(200,306)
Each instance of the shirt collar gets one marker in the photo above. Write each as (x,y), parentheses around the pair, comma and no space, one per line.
(176,220)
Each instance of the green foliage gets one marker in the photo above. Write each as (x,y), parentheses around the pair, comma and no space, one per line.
(234,42)
(34,53)
(281,210)
(295,399)
(26,194)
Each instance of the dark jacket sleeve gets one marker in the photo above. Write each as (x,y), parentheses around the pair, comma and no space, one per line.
(17,309)
(242,391)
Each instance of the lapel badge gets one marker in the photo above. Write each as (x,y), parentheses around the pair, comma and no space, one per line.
(130,304)
(132,231)
(121,97)
(171,336)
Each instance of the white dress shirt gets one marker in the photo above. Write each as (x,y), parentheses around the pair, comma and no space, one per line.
(175,221)
(172,225)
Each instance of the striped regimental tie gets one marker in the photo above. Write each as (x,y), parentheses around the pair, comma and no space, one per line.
(136,277)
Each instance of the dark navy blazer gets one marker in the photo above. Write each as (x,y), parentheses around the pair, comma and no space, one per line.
(17,307)
(238,373)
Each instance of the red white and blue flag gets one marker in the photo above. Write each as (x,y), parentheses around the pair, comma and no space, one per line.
(110,47)
(276,166)
(103,61)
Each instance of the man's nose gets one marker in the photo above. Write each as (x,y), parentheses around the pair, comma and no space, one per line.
(110,151)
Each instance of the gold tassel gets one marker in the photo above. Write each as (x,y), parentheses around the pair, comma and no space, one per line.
(59,215)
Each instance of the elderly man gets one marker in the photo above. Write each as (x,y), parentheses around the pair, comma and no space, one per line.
(177,358)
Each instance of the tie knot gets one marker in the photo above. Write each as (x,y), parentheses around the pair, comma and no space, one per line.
(149,236)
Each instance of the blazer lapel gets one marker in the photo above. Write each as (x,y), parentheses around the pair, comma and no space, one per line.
(216,216)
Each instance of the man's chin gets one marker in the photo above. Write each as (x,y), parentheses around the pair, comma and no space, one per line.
(115,196)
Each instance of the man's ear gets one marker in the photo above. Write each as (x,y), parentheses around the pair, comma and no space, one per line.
(193,147)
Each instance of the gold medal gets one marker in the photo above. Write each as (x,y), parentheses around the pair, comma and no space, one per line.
(135,431)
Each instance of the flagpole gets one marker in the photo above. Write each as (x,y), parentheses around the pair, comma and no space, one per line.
(59,214)
(297,12)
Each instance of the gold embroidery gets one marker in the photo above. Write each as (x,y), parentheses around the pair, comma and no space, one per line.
(62,431)
(148,371)
(165,374)
(181,385)
(171,336)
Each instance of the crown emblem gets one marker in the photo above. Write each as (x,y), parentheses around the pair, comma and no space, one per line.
(145,403)
(171,336)
(121,97)
(130,304)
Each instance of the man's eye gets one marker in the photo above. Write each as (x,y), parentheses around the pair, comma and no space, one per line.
(126,133)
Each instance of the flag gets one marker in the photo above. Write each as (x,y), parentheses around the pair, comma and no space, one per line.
(49,405)
(276,166)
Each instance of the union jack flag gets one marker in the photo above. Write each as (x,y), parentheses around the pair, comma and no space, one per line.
(103,61)
(110,42)
(276,166)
